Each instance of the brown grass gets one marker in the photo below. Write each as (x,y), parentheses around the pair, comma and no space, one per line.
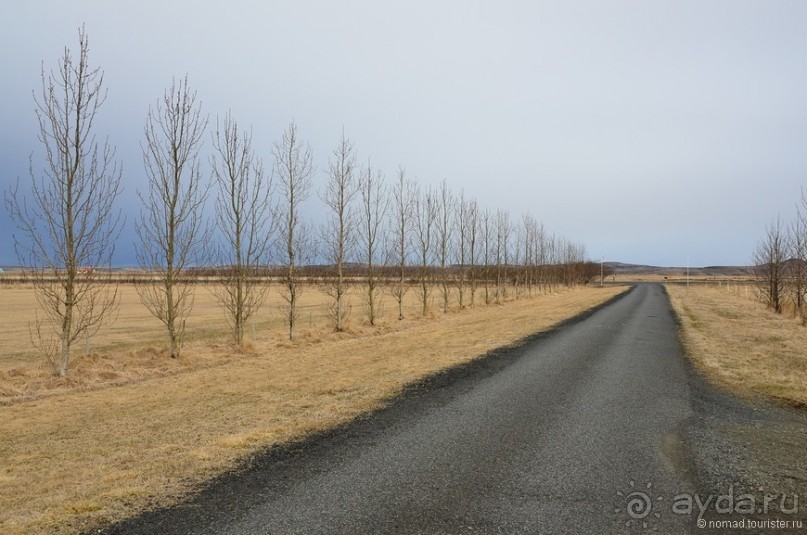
(133,348)
(78,459)
(738,343)
(674,276)
(136,327)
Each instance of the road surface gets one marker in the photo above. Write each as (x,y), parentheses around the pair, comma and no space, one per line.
(600,426)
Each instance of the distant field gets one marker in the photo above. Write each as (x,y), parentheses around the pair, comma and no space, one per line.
(738,343)
(678,278)
(88,454)
(135,327)
(653,273)
(134,347)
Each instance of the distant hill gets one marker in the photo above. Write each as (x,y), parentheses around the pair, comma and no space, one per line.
(620,268)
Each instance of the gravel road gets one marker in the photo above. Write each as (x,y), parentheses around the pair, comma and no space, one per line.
(600,426)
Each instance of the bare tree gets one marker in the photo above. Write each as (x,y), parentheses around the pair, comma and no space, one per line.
(461,225)
(245,222)
(374,204)
(472,235)
(574,263)
(769,265)
(541,253)
(507,249)
(338,234)
(797,272)
(445,235)
(171,227)
(564,256)
(504,231)
(404,194)
(528,228)
(518,261)
(425,216)
(294,168)
(488,247)
(550,261)
(70,225)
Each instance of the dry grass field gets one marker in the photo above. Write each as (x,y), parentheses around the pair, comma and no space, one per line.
(674,277)
(86,453)
(739,344)
(136,327)
(134,347)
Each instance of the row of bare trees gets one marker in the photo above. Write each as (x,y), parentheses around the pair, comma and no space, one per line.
(397,236)
(401,236)
(780,262)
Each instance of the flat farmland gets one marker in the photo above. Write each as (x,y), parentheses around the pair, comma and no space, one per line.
(134,347)
(136,327)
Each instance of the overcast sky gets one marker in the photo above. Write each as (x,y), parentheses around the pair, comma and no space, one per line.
(646,130)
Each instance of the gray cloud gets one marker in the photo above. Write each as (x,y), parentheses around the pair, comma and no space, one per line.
(646,130)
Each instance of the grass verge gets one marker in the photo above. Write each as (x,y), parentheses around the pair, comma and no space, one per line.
(81,459)
(740,345)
